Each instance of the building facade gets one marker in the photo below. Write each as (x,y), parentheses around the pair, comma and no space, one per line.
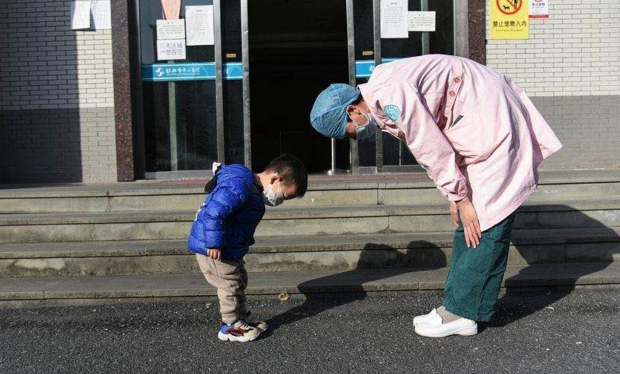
(99,106)
(57,99)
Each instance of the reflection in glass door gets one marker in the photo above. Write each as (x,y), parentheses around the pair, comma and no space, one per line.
(179,98)
(386,153)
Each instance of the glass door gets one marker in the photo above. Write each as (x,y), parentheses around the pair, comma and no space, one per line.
(373,46)
(297,48)
(196,94)
(178,91)
(192,73)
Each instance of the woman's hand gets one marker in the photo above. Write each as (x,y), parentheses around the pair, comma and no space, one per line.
(471,225)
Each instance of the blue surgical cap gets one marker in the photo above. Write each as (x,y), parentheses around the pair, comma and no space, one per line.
(329,115)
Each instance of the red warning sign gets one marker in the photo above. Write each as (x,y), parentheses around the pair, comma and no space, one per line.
(509,7)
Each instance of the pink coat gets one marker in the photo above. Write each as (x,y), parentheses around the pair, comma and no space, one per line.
(475,131)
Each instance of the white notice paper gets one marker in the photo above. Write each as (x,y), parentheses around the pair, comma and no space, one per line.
(168,30)
(539,9)
(80,15)
(394,22)
(102,16)
(199,26)
(422,21)
(171,49)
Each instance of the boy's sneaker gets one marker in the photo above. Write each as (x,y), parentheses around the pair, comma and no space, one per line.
(260,325)
(239,331)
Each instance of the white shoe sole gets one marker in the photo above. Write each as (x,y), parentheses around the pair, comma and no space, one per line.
(240,339)
(463,331)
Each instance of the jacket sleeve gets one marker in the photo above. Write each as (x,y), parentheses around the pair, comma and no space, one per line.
(227,199)
(402,105)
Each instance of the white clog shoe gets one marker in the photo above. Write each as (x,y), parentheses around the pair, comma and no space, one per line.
(435,328)
(425,317)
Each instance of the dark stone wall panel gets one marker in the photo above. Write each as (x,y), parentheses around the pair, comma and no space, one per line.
(122,90)
(477,31)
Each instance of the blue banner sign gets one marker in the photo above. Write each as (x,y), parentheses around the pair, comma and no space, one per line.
(195,71)
(364,68)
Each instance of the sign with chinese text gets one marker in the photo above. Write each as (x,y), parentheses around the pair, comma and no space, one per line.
(168,30)
(199,25)
(539,8)
(422,21)
(193,71)
(394,19)
(171,49)
(510,19)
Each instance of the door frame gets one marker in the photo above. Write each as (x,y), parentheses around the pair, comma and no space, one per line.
(461,48)
(460,11)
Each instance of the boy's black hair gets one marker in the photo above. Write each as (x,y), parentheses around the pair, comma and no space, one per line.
(292,171)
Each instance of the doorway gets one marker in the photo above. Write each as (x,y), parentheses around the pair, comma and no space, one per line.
(297,48)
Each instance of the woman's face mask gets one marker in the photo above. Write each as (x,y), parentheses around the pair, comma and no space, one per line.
(366,130)
(271,197)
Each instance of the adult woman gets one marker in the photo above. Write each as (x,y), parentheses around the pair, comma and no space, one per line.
(480,139)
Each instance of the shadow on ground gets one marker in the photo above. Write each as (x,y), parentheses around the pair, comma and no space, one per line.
(593,255)
(351,283)
(594,251)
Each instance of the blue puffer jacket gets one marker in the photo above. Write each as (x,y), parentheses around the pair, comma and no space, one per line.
(229,215)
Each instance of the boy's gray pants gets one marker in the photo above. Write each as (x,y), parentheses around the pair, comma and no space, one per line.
(230,279)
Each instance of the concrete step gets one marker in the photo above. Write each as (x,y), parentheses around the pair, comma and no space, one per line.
(301,221)
(19,292)
(397,189)
(314,253)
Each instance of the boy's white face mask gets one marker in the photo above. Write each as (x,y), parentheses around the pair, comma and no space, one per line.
(271,197)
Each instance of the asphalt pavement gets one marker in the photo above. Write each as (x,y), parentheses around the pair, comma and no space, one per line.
(533,332)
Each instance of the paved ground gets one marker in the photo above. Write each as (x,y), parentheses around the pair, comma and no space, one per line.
(535,332)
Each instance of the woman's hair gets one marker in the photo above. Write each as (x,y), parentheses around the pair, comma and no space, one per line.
(356,102)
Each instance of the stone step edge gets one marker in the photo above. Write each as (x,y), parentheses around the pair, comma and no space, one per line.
(347,211)
(193,285)
(417,181)
(329,243)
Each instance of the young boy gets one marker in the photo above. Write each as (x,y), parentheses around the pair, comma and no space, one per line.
(224,229)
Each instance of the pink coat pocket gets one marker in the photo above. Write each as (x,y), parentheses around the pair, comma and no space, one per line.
(475,137)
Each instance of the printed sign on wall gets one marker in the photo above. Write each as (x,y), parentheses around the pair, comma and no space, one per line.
(171,49)
(94,15)
(200,25)
(168,30)
(422,21)
(394,19)
(539,8)
(510,19)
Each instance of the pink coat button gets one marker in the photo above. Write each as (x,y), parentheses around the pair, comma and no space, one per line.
(452,93)
(457,80)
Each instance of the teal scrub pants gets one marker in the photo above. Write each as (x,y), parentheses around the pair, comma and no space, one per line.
(476,274)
